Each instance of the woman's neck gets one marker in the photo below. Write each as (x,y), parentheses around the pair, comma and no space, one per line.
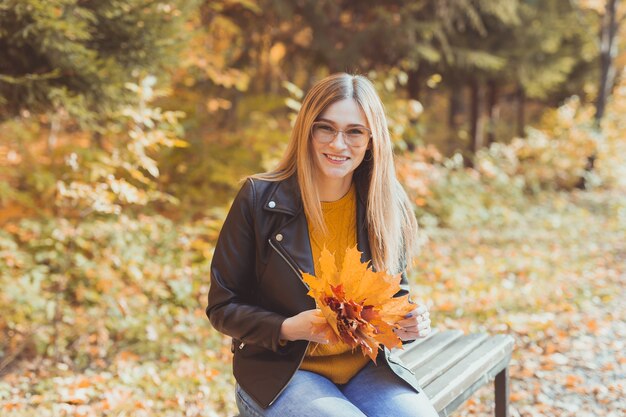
(332,189)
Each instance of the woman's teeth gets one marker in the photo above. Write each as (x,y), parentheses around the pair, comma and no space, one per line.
(336,158)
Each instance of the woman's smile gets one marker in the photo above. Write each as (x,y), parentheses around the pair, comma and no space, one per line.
(336,159)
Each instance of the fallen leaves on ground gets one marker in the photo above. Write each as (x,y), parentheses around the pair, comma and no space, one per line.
(554,281)
(552,277)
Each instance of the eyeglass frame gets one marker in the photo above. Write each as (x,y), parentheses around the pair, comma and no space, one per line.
(337,131)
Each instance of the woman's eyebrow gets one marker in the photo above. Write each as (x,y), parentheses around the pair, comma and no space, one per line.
(321,119)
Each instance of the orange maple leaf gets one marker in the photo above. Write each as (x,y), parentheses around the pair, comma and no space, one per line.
(358,303)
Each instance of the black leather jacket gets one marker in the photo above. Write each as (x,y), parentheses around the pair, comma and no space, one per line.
(256,283)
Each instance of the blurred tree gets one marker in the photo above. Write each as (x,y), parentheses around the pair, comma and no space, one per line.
(476,54)
(611,17)
(608,51)
(243,53)
(218,85)
(525,48)
(76,55)
(553,54)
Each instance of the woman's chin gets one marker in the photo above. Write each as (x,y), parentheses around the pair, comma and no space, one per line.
(336,174)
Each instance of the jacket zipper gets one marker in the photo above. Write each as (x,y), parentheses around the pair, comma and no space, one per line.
(288,263)
(308,342)
(242,344)
(292,375)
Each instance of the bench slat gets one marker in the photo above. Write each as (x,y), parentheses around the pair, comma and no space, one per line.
(483,380)
(420,354)
(449,356)
(465,373)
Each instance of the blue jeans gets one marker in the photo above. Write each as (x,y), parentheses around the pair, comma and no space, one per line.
(375,392)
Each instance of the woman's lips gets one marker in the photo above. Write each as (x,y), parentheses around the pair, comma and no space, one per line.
(336,159)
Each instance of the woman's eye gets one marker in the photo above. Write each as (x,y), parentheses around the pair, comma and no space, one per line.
(356,132)
(326,128)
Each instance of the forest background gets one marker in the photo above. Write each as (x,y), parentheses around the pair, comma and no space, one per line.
(126,126)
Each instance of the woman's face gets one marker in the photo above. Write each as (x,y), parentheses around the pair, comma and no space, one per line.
(338,160)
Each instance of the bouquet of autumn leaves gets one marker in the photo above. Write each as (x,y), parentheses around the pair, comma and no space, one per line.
(358,303)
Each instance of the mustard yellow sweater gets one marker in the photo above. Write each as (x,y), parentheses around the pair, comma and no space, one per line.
(336,362)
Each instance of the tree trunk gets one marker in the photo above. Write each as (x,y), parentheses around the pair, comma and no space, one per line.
(413,85)
(96,140)
(520,98)
(455,108)
(608,51)
(493,111)
(476,119)
(53,136)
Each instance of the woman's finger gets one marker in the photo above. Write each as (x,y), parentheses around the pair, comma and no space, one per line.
(412,321)
(319,336)
(404,335)
(409,329)
(324,334)
(318,319)
(413,332)
(423,317)
(414,327)
(424,333)
(424,325)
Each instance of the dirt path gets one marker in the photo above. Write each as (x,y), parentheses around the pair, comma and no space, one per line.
(555,281)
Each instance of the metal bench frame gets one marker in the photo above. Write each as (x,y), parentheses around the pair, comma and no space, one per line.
(451,366)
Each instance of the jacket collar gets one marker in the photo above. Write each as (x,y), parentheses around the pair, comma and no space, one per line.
(286,197)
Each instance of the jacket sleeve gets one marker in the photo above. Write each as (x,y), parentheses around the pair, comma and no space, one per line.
(231,302)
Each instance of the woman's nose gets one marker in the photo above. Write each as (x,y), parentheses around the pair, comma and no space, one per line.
(336,143)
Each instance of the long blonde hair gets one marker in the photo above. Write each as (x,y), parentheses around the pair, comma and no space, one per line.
(392,227)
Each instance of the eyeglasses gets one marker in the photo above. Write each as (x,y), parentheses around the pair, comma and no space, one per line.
(355,136)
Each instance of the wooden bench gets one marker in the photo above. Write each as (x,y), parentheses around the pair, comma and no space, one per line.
(451,366)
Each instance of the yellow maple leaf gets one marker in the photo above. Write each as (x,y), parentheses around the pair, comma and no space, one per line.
(358,303)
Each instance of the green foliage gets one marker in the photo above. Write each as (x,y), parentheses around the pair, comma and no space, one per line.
(122,298)
(548,162)
(103,181)
(553,49)
(611,146)
(207,173)
(70,178)
(445,193)
(104,265)
(76,56)
(553,157)
(102,283)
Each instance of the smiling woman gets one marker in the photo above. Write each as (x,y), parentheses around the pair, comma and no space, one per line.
(334,188)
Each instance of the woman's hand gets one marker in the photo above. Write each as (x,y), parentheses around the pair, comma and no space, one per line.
(416,324)
(308,325)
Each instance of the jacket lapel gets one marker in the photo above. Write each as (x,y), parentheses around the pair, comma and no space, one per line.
(293,236)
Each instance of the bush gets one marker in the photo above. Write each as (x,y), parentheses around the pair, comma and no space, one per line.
(554,157)
(446,193)
(85,291)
